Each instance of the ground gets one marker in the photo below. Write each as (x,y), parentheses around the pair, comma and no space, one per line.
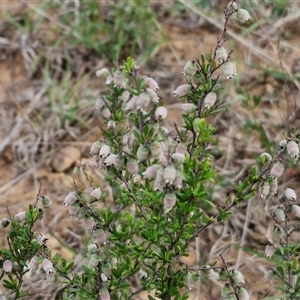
(39,147)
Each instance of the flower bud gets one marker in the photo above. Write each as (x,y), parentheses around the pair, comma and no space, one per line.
(111,124)
(277,233)
(279,214)
(40,237)
(94,260)
(4,222)
(292,150)
(125,95)
(109,79)
(7,266)
(169,174)
(71,198)
(290,194)
(20,217)
(119,161)
(132,166)
(223,275)
(221,54)
(160,113)
(50,276)
(273,186)
(105,112)
(183,90)
(159,181)
(173,143)
(90,224)
(177,183)
(114,262)
(155,149)
(226,291)
(153,96)
(99,103)
(142,153)
(47,265)
(110,160)
(210,100)
(243,15)
(119,79)
(106,269)
(269,251)
(46,250)
(103,277)
(197,77)
(277,169)
(264,189)
(150,172)
(74,210)
(242,293)
(229,70)
(178,158)
(181,148)
(131,104)
(137,178)
(294,279)
(143,101)
(92,248)
(169,202)
(96,193)
(100,236)
(188,107)
(189,69)
(155,128)
(34,263)
(104,294)
(238,277)
(296,210)
(46,202)
(232,5)
(150,83)
(104,151)
(143,275)
(102,73)
(41,213)
(265,158)
(282,144)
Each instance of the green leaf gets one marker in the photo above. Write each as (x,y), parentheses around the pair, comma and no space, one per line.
(293,130)
(280,270)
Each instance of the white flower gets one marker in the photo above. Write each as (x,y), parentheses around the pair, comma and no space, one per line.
(182,91)
(102,73)
(290,194)
(104,151)
(229,70)
(243,15)
(161,113)
(221,54)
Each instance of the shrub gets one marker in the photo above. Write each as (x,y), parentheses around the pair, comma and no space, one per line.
(158,199)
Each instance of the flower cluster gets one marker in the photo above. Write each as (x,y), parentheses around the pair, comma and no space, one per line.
(269,182)
(280,239)
(36,257)
(233,288)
